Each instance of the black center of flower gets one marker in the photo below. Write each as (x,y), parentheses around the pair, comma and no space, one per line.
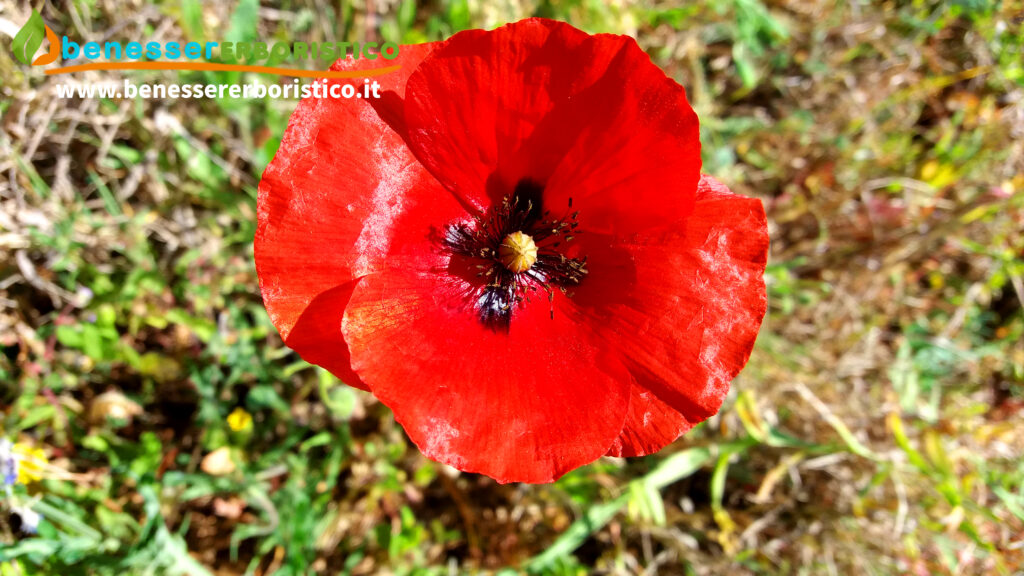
(518,246)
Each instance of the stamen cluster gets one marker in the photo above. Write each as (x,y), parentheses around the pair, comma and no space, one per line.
(509,281)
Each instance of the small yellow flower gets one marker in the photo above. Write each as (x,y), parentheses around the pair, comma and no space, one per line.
(239,420)
(31,462)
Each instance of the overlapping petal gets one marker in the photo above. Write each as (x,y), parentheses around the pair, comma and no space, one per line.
(588,117)
(650,425)
(523,406)
(682,307)
(325,204)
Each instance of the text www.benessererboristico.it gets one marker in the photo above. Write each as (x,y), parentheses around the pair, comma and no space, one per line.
(295,89)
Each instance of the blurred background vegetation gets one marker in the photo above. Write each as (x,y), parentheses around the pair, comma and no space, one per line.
(876,430)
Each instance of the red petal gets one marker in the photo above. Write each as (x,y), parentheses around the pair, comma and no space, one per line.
(590,116)
(324,207)
(683,307)
(316,335)
(524,406)
(626,150)
(650,425)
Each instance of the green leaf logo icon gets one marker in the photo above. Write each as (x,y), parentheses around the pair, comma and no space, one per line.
(29,38)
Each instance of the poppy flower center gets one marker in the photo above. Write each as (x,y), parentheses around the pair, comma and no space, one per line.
(518,249)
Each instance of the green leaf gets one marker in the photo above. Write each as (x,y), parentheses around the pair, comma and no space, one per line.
(69,336)
(745,66)
(56,514)
(203,328)
(339,398)
(192,19)
(245,22)
(672,469)
(29,38)
(1013,502)
(406,17)
(458,14)
(677,466)
(593,520)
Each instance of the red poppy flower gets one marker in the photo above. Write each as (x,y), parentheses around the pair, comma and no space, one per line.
(515,250)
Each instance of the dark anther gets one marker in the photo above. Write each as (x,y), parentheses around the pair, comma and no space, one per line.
(495,306)
(529,194)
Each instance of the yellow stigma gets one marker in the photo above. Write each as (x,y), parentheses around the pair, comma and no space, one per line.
(517,252)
